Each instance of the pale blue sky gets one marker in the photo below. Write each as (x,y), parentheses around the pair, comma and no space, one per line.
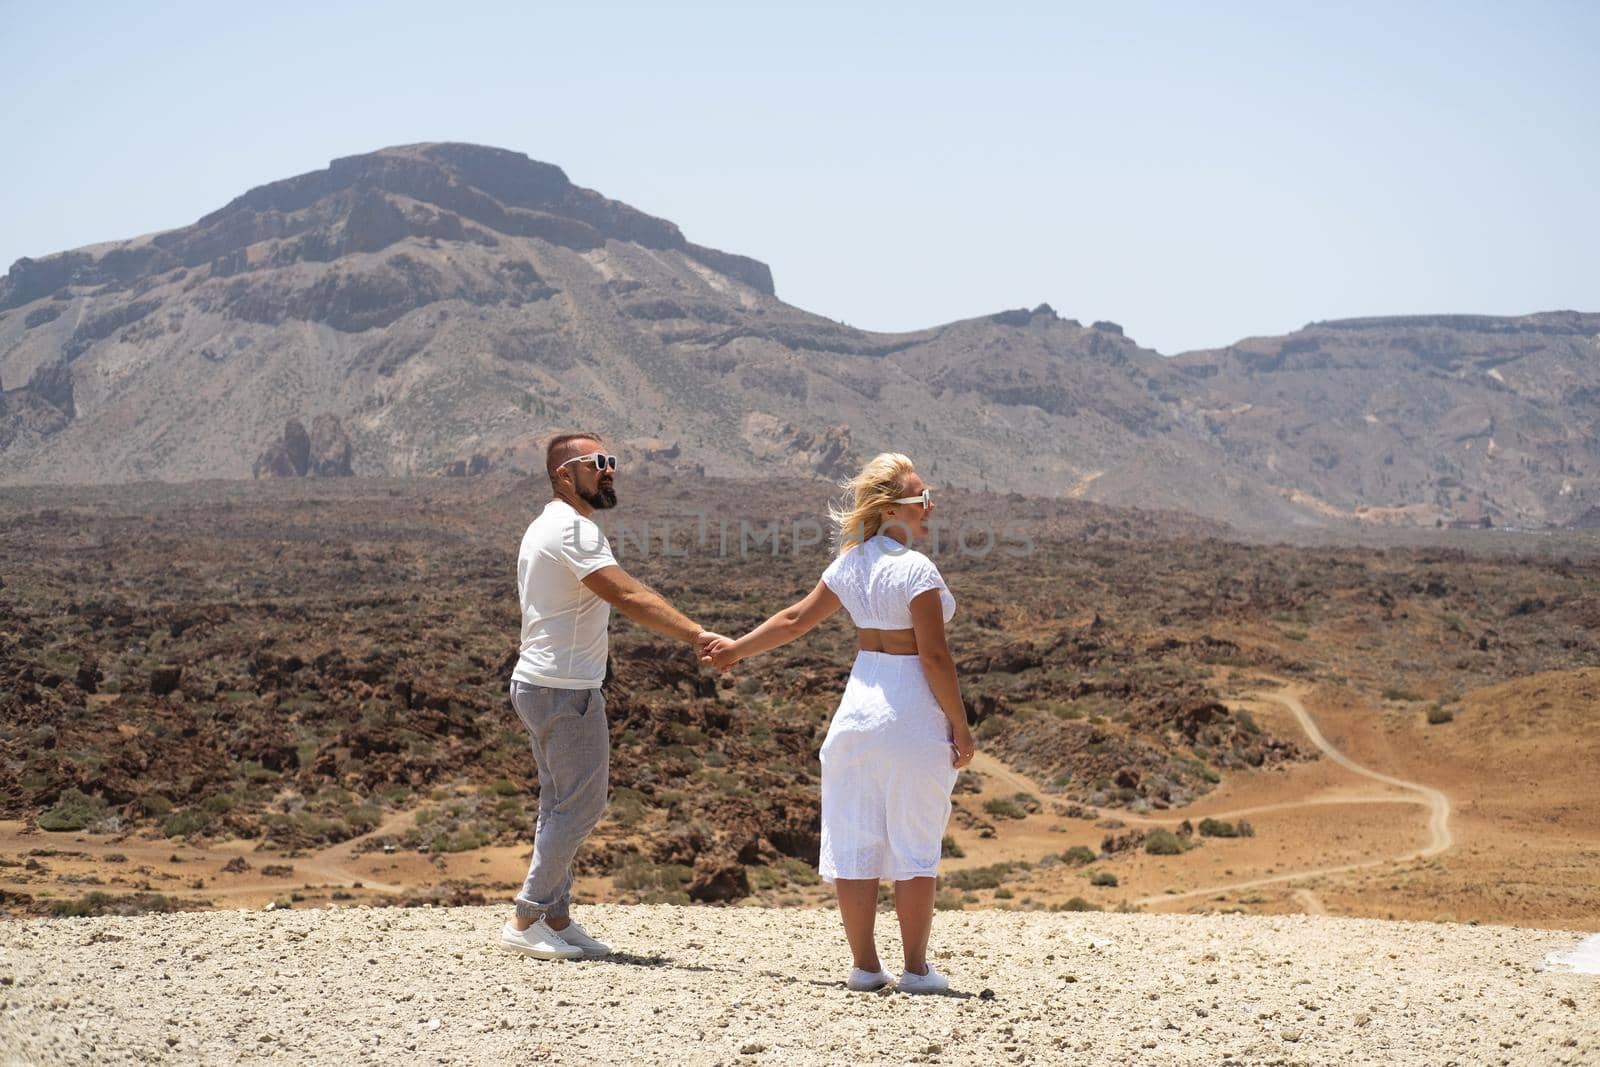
(1198,173)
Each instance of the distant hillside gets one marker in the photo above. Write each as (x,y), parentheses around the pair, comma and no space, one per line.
(437,308)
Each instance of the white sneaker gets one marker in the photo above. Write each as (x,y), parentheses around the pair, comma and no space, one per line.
(932,982)
(866,981)
(538,941)
(573,934)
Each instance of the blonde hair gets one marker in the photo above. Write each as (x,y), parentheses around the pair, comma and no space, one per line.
(868,494)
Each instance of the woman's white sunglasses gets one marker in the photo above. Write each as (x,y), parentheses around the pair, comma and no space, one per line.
(925,498)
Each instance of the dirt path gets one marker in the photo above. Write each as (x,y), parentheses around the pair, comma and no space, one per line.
(1439,835)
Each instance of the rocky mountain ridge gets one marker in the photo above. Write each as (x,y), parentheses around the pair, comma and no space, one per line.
(450,304)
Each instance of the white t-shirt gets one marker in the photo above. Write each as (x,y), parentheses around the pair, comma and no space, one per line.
(877,580)
(563,623)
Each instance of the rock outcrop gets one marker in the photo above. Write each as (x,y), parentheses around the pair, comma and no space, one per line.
(325,452)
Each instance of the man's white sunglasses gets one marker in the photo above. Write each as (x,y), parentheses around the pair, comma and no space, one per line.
(925,498)
(601,461)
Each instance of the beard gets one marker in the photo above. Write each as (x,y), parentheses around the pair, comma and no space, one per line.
(603,497)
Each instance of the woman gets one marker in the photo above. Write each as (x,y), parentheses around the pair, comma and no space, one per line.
(900,733)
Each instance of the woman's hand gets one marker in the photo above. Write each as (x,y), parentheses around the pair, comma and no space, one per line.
(720,652)
(962,747)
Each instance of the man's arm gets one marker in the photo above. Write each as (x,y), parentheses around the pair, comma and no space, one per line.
(641,604)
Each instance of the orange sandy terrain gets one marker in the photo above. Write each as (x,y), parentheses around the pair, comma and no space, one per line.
(1473,820)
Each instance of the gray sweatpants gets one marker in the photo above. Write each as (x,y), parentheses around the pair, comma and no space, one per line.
(572,749)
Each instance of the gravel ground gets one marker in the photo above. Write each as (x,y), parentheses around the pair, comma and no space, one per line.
(749,985)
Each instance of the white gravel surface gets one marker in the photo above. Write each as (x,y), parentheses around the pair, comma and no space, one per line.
(750,985)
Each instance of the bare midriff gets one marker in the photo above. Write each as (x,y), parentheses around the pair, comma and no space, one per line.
(893,642)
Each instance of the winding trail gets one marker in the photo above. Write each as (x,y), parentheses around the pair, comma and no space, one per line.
(1440,837)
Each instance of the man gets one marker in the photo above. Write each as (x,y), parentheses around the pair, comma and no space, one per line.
(568,582)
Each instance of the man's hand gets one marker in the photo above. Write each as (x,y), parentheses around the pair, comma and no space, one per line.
(708,645)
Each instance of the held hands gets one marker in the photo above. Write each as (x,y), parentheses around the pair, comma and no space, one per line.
(962,747)
(714,650)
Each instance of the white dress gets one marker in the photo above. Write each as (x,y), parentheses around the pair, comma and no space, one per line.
(886,772)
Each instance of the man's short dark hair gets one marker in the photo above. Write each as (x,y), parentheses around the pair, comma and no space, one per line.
(560,449)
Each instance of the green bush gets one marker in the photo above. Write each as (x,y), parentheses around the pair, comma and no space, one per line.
(1246,721)
(971,878)
(1004,808)
(186,822)
(799,871)
(1103,878)
(948,849)
(72,811)
(645,876)
(1078,855)
(1217,828)
(1075,904)
(101,903)
(1404,695)
(1438,715)
(627,806)
(947,902)
(1160,842)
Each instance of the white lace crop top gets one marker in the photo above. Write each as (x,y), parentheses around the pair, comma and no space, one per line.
(877,579)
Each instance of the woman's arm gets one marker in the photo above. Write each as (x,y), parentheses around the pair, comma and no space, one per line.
(927,621)
(788,624)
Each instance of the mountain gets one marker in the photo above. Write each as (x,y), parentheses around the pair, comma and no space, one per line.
(438,308)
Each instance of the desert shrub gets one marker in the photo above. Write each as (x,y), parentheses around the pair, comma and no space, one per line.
(1003,893)
(363,818)
(947,902)
(219,803)
(627,806)
(1160,842)
(1246,721)
(503,787)
(1438,715)
(1075,904)
(948,849)
(1404,695)
(1217,828)
(72,811)
(461,840)
(1244,829)
(102,903)
(762,877)
(971,878)
(799,871)
(990,728)
(1103,878)
(1078,855)
(186,822)
(1012,807)
(656,883)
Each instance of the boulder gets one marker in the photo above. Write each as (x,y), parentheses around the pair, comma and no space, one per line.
(718,880)
(165,679)
(329,448)
(325,452)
